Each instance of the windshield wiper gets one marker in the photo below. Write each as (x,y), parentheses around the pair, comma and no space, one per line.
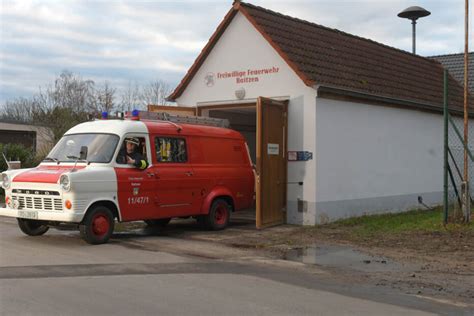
(50,159)
(76,158)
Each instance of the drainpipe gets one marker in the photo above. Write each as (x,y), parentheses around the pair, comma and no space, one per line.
(445,171)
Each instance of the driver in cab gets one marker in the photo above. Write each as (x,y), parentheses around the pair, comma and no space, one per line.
(130,154)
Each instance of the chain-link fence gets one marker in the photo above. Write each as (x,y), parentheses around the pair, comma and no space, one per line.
(456,165)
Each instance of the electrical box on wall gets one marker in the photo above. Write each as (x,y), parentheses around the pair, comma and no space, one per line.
(302,206)
(300,155)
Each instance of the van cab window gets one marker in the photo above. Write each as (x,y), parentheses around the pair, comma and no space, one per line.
(170,149)
(133,152)
(101,147)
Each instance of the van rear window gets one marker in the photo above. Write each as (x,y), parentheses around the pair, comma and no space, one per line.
(170,149)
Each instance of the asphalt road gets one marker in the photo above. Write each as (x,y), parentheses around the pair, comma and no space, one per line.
(59,274)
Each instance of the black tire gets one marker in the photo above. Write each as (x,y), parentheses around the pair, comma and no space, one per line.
(97,226)
(158,223)
(32,227)
(219,215)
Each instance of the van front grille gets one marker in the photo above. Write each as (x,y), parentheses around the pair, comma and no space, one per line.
(39,203)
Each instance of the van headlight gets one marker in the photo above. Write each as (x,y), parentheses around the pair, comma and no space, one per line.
(5,181)
(64,182)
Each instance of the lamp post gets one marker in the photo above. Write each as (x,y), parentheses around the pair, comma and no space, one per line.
(413,14)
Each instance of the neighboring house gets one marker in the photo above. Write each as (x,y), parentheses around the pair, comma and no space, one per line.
(454,63)
(370,115)
(38,138)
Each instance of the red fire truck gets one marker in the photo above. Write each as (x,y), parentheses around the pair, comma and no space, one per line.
(183,167)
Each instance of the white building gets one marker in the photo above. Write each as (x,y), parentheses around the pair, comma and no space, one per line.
(371,115)
(38,138)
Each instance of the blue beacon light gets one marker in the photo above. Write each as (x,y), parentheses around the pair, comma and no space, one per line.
(135,115)
(105,115)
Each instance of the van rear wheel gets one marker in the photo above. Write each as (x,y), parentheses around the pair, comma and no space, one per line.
(32,227)
(162,222)
(97,226)
(219,215)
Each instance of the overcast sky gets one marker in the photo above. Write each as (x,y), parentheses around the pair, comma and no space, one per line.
(139,41)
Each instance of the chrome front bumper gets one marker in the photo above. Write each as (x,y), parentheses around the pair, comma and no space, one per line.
(64,216)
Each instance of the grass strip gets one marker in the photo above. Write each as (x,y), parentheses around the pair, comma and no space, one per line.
(412,221)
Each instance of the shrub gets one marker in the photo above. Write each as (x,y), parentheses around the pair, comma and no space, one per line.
(17,152)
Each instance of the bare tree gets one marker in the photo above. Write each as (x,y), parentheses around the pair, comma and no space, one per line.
(130,98)
(156,92)
(69,91)
(104,98)
(59,106)
(71,100)
(19,110)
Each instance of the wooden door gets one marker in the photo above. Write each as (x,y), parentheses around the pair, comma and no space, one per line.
(271,162)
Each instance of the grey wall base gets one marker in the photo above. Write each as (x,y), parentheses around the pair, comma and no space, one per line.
(325,212)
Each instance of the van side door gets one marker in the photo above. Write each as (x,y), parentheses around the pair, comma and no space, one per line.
(175,188)
(135,187)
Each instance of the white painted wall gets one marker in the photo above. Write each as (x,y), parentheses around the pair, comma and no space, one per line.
(374,158)
(241,48)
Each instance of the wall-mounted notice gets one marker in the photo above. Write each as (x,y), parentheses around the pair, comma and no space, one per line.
(292,156)
(273,149)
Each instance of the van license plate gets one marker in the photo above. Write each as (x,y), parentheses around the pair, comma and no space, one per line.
(28,214)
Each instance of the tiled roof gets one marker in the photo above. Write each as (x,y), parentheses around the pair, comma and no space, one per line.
(328,57)
(455,65)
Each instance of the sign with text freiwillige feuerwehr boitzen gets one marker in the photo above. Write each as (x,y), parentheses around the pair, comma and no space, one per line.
(250,75)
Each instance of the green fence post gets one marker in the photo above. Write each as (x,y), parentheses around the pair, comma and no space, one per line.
(445,171)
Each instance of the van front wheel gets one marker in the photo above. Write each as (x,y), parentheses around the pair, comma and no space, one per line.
(97,226)
(31,227)
(219,215)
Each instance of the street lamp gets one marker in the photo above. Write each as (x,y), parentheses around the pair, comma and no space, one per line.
(414,13)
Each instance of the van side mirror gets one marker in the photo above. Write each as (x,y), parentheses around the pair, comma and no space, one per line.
(83,153)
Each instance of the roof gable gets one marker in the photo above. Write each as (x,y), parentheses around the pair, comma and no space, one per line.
(328,57)
(204,53)
(237,7)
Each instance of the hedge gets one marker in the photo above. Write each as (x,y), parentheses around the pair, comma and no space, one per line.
(17,152)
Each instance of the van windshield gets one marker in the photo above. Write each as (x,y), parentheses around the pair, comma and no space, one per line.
(100,148)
